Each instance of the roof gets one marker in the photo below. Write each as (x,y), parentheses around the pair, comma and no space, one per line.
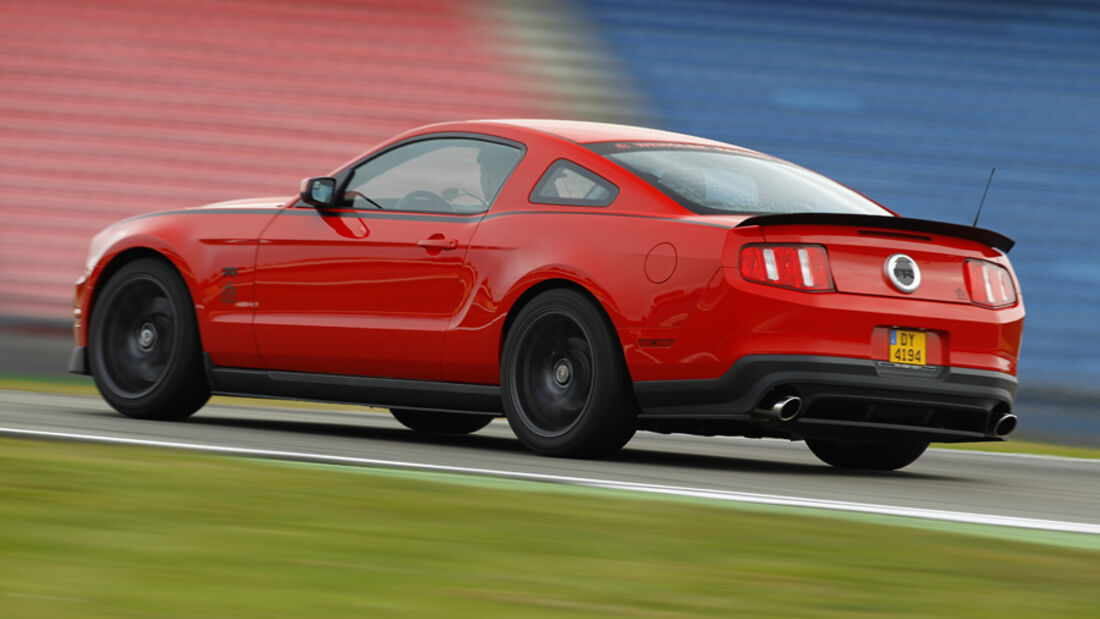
(584,132)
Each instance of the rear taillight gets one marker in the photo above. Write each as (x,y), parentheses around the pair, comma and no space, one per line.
(797,266)
(989,284)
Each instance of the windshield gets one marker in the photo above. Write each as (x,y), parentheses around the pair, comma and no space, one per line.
(707,179)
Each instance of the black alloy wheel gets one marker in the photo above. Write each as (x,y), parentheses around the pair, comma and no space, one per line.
(143,343)
(867,456)
(563,378)
(439,422)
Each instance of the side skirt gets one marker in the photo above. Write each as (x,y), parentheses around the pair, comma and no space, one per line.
(381,392)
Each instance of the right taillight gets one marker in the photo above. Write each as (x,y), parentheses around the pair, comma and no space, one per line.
(789,265)
(989,284)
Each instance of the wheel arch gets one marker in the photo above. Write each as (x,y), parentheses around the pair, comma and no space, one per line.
(121,259)
(545,285)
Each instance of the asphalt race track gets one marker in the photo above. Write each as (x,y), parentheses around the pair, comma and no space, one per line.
(1039,492)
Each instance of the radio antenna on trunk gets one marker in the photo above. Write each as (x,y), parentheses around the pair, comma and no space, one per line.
(984,194)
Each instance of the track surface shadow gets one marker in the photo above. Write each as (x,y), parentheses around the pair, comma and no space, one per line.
(633,456)
(396,435)
(749,465)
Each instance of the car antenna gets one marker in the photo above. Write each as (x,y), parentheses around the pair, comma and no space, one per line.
(984,194)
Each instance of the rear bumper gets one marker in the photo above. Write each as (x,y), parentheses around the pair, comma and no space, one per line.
(842,398)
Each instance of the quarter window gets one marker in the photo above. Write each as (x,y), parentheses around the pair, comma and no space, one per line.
(441,175)
(569,184)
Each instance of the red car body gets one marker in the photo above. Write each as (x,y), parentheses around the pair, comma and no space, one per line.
(296,301)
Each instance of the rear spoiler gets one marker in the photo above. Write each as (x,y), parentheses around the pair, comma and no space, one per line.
(981,235)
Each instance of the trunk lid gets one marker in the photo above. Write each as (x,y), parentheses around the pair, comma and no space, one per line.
(859,248)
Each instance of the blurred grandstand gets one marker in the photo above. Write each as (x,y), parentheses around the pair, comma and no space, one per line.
(116,107)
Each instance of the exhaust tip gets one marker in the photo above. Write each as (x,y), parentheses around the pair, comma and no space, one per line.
(788,408)
(1005,425)
(784,408)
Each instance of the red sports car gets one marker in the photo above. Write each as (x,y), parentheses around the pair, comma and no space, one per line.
(584,281)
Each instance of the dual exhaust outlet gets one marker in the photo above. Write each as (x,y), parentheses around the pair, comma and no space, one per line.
(788,407)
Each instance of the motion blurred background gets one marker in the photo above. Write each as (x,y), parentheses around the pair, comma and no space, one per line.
(110,108)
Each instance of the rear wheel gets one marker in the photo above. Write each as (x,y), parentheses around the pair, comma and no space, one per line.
(867,456)
(143,343)
(435,422)
(564,383)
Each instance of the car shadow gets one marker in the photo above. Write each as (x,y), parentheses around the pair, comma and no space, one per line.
(643,457)
(750,465)
(356,430)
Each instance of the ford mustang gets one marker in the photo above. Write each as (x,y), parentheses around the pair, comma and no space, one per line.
(582,280)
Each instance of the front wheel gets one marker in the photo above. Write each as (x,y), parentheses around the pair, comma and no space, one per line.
(564,382)
(143,343)
(434,422)
(867,456)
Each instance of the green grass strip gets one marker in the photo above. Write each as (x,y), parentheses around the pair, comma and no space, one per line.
(83,385)
(66,384)
(1079,541)
(109,531)
(1013,446)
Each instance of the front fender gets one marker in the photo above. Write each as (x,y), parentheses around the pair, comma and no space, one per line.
(213,249)
(103,258)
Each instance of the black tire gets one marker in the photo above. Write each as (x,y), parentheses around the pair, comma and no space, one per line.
(867,456)
(143,343)
(435,422)
(563,379)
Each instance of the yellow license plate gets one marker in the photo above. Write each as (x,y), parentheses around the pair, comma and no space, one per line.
(908,347)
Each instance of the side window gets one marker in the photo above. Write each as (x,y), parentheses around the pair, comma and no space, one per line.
(569,184)
(440,175)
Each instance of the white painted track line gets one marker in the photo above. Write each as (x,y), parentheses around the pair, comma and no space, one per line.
(704,493)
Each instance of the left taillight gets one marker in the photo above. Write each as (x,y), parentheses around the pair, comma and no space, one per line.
(789,265)
(989,284)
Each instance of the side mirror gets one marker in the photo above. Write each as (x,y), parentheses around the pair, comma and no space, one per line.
(319,192)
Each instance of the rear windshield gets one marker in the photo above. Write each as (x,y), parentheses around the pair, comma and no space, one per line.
(708,180)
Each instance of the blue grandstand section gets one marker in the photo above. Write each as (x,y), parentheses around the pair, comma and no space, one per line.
(911,102)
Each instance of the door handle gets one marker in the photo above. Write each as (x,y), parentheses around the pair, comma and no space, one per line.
(438,242)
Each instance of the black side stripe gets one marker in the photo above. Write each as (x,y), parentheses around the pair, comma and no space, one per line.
(309,212)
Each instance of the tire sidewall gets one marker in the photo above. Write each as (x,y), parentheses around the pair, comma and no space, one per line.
(439,422)
(179,373)
(606,421)
(867,456)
